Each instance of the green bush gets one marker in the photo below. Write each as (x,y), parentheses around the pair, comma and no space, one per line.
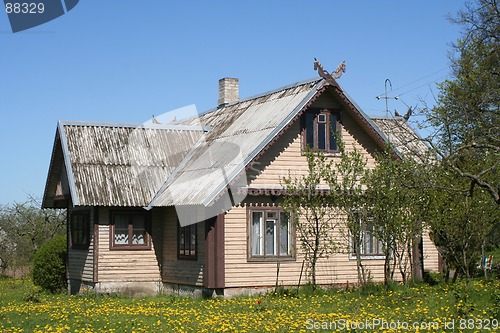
(49,265)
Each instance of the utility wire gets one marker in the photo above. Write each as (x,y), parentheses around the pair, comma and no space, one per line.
(425,84)
(417,80)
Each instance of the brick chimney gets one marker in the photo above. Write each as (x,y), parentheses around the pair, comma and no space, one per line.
(228,91)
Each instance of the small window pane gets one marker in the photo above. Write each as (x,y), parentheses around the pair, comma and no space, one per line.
(139,229)
(139,221)
(139,237)
(257,233)
(182,242)
(270,237)
(192,230)
(187,242)
(121,221)
(333,129)
(322,136)
(80,230)
(284,235)
(121,229)
(310,130)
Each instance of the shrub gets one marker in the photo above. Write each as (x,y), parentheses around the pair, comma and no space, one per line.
(49,265)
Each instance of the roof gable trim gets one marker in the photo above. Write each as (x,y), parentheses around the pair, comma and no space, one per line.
(67,163)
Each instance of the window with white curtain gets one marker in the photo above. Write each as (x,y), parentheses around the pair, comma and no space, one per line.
(129,229)
(270,234)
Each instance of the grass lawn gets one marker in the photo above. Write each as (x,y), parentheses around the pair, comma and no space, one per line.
(432,308)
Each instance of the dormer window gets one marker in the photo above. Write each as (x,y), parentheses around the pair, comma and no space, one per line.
(318,129)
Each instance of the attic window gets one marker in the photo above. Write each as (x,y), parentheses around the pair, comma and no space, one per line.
(318,129)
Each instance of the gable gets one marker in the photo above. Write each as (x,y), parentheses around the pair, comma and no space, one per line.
(286,156)
(56,192)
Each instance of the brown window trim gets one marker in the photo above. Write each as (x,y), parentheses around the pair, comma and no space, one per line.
(180,229)
(338,127)
(264,257)
(85,214)
(133,247)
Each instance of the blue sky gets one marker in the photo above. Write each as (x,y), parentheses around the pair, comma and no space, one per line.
(123,61)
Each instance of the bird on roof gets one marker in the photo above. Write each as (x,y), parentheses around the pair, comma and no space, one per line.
(396,113)
(408,114)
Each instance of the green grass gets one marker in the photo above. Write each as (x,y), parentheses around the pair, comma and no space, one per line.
(23,308)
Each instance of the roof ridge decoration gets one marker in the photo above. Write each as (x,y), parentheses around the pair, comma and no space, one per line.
(330,77)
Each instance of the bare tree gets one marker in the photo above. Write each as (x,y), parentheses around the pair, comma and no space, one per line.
(24,227)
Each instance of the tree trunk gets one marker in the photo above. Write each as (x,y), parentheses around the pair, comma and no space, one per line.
(418,262)
(360,268)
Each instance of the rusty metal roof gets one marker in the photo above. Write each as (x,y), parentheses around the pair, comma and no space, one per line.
(114,164)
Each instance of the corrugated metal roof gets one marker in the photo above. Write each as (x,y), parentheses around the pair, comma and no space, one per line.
(122,164)
(239,131)
(402,137)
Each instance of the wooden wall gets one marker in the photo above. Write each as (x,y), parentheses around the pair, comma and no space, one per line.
(81,262)
(431,254)
(175,271)
(126,265)
(340,268)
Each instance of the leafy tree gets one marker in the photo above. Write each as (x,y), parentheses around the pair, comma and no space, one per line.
(398,208)
(313,215)
(467,114)
(459,223)
(347,185)
(465,127)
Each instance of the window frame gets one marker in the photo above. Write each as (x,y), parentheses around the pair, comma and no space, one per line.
(365,238)
(311,118)
(130,213)
(276,236)
(189,229)
(85,223)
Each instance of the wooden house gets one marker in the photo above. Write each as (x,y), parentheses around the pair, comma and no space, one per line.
(195,206)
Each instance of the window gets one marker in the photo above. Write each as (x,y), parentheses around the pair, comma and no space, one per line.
(370,245)
(270,234)
(80,230)
(129,230)
(318,129)
(187,242)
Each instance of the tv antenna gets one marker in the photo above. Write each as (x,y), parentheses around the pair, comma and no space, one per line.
(387,98)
